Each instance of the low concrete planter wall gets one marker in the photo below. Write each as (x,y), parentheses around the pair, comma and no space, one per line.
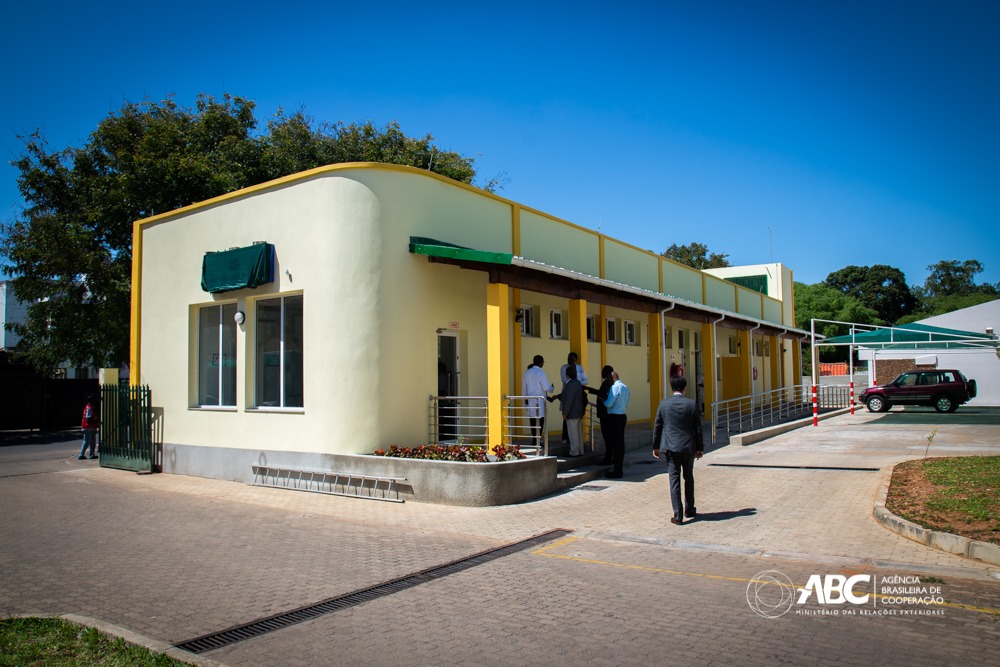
(454,483)
(953,544)
(442,482)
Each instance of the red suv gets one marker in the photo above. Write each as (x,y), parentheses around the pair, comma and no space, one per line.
(942,389)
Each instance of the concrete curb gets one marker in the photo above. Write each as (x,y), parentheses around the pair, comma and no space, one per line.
(953,544)
(751,437)
(154,645)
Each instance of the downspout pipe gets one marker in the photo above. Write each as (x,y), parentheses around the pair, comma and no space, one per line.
(750,357)
(663,356)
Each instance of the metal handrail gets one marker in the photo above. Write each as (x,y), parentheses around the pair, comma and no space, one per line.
(745,413)
(465,419)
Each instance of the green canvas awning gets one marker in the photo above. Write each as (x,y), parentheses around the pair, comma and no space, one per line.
(237,268)
(915,337)
(420,245)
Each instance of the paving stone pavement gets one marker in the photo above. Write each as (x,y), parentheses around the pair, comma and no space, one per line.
(174,557)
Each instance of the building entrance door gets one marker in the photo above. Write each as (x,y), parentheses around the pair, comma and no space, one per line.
(449,372)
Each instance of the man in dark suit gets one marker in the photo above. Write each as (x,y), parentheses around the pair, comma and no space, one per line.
(677,432)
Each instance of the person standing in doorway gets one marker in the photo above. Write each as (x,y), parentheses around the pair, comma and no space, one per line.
(88,425)
(602,411)
(536,385)
(616,404)
(581,375)
(573,404)
(677,432)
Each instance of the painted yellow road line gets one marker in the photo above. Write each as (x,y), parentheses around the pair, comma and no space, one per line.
(546,552)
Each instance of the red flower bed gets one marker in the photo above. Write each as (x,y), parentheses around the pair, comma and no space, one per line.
(464,453)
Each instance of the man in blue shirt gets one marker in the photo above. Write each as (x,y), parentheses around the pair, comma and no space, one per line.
(616,403)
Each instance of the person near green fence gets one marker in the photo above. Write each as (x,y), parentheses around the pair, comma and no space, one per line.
(89,425)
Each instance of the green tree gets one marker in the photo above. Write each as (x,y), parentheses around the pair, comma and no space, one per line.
(696,255)
(951,278)
(881,288)
(70,249)
(822,302)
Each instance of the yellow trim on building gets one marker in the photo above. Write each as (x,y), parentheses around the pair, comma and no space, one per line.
(497,357)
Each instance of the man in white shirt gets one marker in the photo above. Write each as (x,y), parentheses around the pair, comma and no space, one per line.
(536,383)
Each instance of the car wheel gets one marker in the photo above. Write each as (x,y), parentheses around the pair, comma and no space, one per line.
(943,403)
(877,404)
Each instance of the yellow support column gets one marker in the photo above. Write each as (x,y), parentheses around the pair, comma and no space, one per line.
(656,389)
(497,358)
(578,330)
(777,381)
(708,367)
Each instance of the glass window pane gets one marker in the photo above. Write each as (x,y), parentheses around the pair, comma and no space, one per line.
(268,352)
(292,371)
(228,370)
(208,355)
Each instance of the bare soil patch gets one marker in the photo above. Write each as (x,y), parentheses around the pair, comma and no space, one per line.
(915,498)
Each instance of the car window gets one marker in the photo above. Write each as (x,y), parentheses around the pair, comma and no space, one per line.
(907,380)
(929,378)
(947,376)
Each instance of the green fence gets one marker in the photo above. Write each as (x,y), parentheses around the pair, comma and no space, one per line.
(126,433)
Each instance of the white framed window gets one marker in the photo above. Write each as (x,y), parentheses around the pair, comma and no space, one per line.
(767,348)
(631,332)
(279,352)
(217,356)
(668,337)
(592,330)
(680,339)
(611,330)
(697,341)
(529,320)
(758,347)
(557,321)
(732,345)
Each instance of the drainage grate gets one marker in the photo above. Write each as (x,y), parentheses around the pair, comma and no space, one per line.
(591,488)
(216,640)
(778,467)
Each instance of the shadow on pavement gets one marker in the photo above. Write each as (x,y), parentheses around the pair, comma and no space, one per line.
(969,416)
(21,438)
(724,516)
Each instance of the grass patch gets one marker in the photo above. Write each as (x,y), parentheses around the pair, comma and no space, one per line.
(958,495)
(968,485)
(53,641)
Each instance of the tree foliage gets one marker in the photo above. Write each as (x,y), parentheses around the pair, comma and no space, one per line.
(696,255)
(949,278)
(881,288)
(822,302)
(70,249)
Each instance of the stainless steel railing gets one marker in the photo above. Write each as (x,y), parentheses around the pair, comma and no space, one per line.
(746,413)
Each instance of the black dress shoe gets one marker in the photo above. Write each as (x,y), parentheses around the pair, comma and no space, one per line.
(674,520)
(691,513)
(612,474)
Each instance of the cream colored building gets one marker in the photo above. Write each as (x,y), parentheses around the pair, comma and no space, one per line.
(378,273)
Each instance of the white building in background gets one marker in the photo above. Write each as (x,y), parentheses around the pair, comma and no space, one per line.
(982,366)
(11,310)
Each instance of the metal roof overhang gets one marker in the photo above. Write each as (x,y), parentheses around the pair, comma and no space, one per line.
(533,276)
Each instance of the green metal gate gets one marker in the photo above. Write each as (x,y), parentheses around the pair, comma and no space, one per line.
(126,433)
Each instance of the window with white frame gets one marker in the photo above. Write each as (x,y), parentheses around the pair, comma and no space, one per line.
(279,352)
(767,348)
(680,339)
(217,355)
(732,345)
(697,342)
(758,346)
(557,328)
(611,329)
(529,320)
(631,332)
(668,337)
(592,330)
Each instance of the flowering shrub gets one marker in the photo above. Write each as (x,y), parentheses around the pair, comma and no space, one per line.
(463,453)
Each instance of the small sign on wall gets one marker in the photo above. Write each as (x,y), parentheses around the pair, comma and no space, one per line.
(453,325)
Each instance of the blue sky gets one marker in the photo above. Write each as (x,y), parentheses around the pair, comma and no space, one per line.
(815,133)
